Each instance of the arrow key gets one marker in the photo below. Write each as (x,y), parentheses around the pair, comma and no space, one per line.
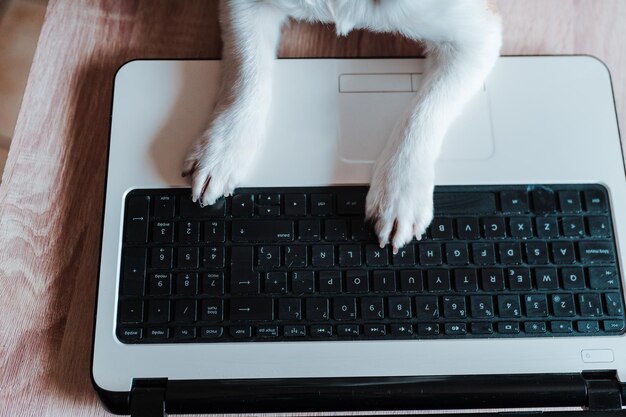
(251,309)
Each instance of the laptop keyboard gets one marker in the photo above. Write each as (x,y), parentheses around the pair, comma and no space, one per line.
(300,264)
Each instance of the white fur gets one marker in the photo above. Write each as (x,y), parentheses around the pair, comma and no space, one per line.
(463,40)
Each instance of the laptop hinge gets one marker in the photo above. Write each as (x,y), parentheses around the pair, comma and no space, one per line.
(604,391)
(147,398)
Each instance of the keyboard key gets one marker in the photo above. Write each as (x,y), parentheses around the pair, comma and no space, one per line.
(494,228)
(561,327)
(317,309)
(485,328)
(509,306)
(268,199)
(213,257)
(185,311)
(344,308)
(213,283)
(456,329)
(350,255)
(350,203)
(588,326)
(405,256)
(262,230)
(599,226)
(590,305)
(572,226)
(309,230)
(519,279)
(465,280)
(426,307)
(137,214)
(131,311)
(268,211)
(456,254)
(322,330)
(214,231)
(569,201)
(613,325)
(573,278)
(467,228)
(376,256)
(510,253)
(267,330)
(253,309)
(158,311)
(323,256)
(563,305)
(348,330)
(492,279)
(546,278)
(441,228)
(514,201)
(336,230)
(464,202)
(329,282)
(481,307)
(268,257)
(160,284)
(384,281)
(543,200)
(372,308)
(244,282)
(241,332)
(563,253)
(438,280)
(158,333)
(294,331)
(134,272)
(428,329)
(520,227)
(296,256)
(295,204)
(212,310)
(375,330)
(603,278)
(187,258)
(242,205)
(613,302)
(430,254)
(242,258)
(189,232)
(483,253)
(595,201)
(131,334)
(193,210)
(163,232)
(454,307)
(357,281)
(161,257)
(536,305)
(362,231)
(400,308)
(276,283)
(187,283)
(536,327)
(401,329)
(164,207)
(289,309)
(411,281)
(211,332)
(537,253)
(546,227)
(596,252)
(302,282)
(321,204)
(508,327)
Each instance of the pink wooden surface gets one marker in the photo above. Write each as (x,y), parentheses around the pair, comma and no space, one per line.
(52,188)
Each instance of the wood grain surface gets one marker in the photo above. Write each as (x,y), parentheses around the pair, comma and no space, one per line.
(52,188)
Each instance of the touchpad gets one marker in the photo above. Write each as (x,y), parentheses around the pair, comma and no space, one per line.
(371,104)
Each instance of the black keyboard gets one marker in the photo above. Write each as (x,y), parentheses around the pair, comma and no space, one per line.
(300,264)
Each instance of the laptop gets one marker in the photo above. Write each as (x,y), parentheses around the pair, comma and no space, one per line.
(514,301)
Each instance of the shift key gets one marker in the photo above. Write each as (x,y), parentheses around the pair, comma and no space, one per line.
(262,230)
(251,309)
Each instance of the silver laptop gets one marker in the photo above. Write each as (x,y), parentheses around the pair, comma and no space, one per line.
(540,142)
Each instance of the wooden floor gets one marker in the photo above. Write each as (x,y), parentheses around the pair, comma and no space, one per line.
(52,188)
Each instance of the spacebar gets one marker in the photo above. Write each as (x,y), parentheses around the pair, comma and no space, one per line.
(464,203)
(262,230)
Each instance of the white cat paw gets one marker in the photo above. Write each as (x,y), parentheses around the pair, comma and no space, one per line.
(400,202)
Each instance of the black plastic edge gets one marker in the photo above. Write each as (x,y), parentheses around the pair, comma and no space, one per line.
(376,393)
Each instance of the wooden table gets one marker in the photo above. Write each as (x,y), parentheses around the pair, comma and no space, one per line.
(52,188)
